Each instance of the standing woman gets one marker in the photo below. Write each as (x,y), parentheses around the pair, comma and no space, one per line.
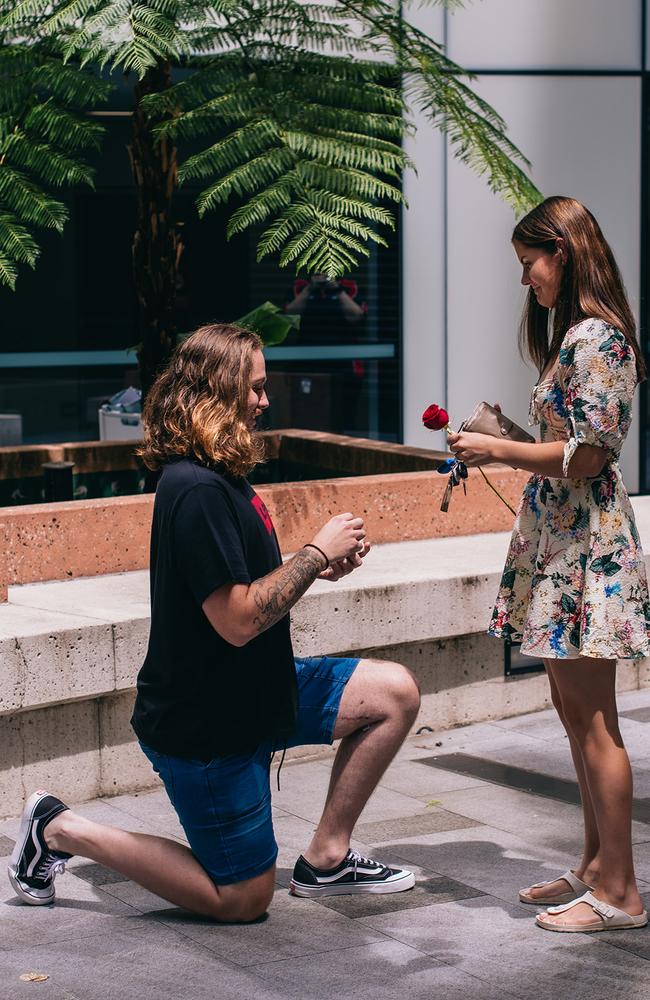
(574,588)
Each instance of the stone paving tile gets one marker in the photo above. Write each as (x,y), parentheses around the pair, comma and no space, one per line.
(79,909)
(303,795)
(642,861)
(294,928)
(546,726)
(545,819)
(641,714)
(6,846)
(547,822)
(150,808)
(137,896)
(11,987)
(540,725)
(423,783)
(103,811)
(426,892)
(501,945)
(495,861)
(293,835)
(150,963)
(450,739)
(433,821)
(382,971)
(527,752)
(97,874)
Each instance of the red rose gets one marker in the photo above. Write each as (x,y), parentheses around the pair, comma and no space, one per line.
(435,418)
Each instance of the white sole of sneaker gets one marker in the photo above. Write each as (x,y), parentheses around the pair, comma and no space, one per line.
(350,889)
(25,894)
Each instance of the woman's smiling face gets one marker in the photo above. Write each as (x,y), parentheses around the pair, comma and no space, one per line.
(542,271)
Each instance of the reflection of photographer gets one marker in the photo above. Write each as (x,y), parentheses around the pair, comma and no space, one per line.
(326,307)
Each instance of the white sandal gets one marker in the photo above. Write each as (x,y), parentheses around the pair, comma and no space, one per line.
(578,888)
(609,918)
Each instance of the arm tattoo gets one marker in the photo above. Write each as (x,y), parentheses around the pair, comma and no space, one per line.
(276,594)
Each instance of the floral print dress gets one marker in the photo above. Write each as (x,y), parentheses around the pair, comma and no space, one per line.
(574,582)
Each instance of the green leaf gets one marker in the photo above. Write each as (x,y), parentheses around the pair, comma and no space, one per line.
(598,565)
(574,637)
(269,322)
(568,604)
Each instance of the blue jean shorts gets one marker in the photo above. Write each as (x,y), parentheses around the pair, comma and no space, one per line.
(224,806)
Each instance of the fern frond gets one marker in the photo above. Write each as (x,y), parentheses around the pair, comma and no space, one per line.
(246,179)
(350,154)
(16,241)
(294,218)
(355,183)
(43,132)
(69,132)
(238,148)
(29,203)
(272,200)
(8,271)
(45,161)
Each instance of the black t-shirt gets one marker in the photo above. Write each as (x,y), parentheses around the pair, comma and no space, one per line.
(199,696)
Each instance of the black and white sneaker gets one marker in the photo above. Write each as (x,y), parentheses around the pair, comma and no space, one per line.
(33,864)
(354,874)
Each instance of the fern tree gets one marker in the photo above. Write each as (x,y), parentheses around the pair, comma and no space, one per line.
(44,138)
(297,113)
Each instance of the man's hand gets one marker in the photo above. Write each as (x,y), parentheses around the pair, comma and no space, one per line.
(343,567)
(341,538)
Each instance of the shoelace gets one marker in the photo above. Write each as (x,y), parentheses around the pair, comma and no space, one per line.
(50,866)
(284,753)
(359,859)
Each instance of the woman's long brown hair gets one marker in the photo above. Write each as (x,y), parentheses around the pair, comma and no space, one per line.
(198,406)
(591,285)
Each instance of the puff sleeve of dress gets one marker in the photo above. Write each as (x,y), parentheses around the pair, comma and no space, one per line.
(597,371)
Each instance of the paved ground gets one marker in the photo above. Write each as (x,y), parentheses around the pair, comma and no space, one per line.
(476,812)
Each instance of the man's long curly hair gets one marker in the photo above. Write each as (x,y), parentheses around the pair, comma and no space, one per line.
(197,407)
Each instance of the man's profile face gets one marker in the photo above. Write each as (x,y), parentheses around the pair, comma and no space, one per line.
(257,399)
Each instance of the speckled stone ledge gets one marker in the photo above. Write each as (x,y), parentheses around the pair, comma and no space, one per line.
(91,537)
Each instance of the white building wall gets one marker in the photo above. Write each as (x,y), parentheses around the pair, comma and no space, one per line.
(582,134)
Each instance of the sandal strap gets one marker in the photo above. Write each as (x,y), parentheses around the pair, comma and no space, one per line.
(586,898)
(576,884)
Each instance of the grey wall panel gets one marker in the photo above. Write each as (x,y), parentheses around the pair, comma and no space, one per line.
(583,137)
(424,264)
(553,34)
(423,285)
(427,18)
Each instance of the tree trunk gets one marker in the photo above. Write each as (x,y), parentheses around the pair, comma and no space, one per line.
(156,244)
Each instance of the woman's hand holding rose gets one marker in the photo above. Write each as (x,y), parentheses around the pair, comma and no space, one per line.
(473,449)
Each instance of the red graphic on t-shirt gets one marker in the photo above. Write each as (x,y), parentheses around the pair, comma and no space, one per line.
(261,509)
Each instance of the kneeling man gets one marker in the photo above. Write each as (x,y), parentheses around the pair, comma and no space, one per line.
(220,691)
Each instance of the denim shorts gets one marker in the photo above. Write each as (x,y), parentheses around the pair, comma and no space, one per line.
(224,806)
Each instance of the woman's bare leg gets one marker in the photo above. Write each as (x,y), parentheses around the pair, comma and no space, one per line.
(588,870)
(588,695)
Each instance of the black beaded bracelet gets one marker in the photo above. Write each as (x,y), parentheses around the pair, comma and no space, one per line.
(310,545)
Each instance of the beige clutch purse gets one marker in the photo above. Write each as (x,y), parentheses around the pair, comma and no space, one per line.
(486,420)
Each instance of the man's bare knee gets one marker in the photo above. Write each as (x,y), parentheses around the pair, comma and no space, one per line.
(246,901)
(401,686)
